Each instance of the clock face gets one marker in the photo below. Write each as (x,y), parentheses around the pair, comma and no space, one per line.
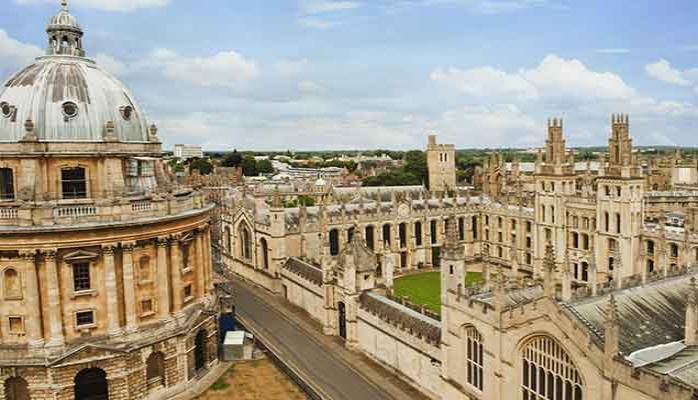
(403,210)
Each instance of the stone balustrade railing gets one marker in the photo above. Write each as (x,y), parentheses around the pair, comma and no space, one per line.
(31,214)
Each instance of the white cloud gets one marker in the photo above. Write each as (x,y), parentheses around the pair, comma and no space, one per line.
(111,64)
(105,5)
(325,6)
(310,87)
(291,67)
(225,69)
(556,77)
(493,125)
(14,53)
(485,82)
(663,71)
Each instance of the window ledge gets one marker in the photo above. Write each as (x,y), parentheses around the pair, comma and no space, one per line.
(147,314)
(13,298)
(188,299)
(145,283)
(84,293)
(72,202)
(86,328)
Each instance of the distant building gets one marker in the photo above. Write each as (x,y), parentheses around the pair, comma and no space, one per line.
(441,162)
(188,151)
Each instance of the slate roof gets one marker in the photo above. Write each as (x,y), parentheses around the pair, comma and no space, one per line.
(304,269)
(649,315)
(401,316)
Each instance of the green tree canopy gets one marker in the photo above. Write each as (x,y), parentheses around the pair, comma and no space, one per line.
(249,166)
(233,159)
(202,165)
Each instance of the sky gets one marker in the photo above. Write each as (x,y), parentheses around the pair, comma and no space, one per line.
(369,74)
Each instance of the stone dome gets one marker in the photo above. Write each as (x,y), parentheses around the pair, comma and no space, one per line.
(66,97)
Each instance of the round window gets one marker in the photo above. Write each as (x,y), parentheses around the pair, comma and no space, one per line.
(127,112)
(70,109)
(5,109)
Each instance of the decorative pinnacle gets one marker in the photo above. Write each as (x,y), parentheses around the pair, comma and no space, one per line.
(64,4)
(692,291)
(612,312)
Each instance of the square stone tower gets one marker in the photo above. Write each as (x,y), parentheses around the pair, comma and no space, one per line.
(441,162)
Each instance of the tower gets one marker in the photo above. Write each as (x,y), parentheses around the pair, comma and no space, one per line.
(554,180)
(452,261)
(619,206)
(441,163)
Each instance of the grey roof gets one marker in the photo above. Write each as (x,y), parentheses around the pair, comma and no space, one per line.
(649,315)
(304,269)
(512,298)
(682,366)
(403,317)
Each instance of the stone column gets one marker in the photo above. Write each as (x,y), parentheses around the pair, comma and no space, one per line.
(112,295)
(129,288)
(33,319)
(208,265)
(176,274)
(54,300)
(200,269)
(163,282)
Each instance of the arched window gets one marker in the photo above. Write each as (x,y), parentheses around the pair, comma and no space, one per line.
(11,284)
(265,252)
(350,234)
(673,250)
(575,240)
(16,388)
(585,241)
(552,214)
(612,245)
(548,372)
(155,371)
(618,223)
(474,227)
(461,228)
(386,234)
(370,241)
(585,271)
(73,183)
(418,233)
(474,358)
(695,255)
(402,232)
(542,213)
(228,240)
(144,269)
(434,232)
(334,242)
(650,266)
(7,184)
(245,243)
(90,384)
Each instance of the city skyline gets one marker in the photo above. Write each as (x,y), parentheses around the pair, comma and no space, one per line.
(358,75)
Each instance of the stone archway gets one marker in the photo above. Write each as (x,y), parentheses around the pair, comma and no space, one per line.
(16,388)
(155,371)
(91,384)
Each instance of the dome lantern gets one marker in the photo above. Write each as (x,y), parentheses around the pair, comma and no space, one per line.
(64,34)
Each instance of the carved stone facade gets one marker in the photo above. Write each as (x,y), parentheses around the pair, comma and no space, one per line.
(105,266)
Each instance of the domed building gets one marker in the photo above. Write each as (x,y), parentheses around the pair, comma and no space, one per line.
(106,283)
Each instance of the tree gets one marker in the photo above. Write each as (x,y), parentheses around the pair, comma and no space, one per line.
(202,165)
(249,166)
(416,164)
(264,167)
(233,159)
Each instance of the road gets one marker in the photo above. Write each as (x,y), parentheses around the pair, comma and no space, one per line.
(314,359)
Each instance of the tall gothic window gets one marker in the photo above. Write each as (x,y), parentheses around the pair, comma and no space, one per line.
(548,372)
(386,234)
(474,358)
(418,233)
(265,253)
(245,243)
(334,242)
(434,233)
(461,228)
(73,183)
(402,232)
(369,237)
(7,187)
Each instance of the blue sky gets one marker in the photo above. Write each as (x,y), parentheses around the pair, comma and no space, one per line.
(345,74)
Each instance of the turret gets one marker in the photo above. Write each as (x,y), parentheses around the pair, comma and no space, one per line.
(549,271)
(611,329)
(452,260)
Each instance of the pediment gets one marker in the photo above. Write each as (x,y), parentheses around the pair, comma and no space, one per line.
(86,353)
(80,255)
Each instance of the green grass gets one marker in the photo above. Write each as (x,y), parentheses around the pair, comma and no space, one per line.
(426,288)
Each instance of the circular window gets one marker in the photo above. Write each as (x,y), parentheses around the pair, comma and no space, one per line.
(5,109)
(70,109)
(127,112)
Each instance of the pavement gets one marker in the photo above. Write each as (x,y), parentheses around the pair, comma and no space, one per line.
(322,361)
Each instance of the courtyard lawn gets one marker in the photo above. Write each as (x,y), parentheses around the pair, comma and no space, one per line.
(426,288)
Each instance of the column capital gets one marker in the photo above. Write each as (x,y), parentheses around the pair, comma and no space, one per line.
(49,255)
(162,242)
(108,249)
(128,247)
(27,254)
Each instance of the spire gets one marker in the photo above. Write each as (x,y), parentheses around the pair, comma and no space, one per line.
(612,329)
(549,270)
